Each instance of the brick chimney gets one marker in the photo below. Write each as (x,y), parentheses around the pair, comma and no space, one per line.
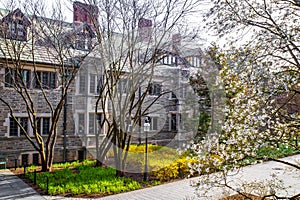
(145,29)
(85,13)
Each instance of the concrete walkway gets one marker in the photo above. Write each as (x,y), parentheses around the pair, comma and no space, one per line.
(182,190)
(11,187)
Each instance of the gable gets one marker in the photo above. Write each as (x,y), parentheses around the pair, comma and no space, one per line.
(14,25)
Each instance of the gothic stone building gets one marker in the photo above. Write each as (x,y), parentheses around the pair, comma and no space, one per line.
(80,108)
(16,45)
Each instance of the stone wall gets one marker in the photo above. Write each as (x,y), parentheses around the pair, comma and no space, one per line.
(15,147)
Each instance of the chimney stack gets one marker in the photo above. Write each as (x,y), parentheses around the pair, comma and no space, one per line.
(85,13)
(145,29)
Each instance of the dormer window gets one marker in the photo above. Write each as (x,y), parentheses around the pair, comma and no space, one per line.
(17,30)
(155,89)
(82,37)
(15,25)
(169,59)
(194,61)
(83,43)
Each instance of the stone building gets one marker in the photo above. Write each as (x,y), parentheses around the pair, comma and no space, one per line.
(32,65)
(79,121)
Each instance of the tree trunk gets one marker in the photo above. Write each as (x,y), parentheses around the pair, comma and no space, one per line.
(99,163)
(119,173)
(44,163)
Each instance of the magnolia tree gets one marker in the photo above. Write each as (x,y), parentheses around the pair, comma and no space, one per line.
(37,40)
(260,73)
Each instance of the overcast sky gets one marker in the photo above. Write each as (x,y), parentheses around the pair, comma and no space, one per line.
(195,21)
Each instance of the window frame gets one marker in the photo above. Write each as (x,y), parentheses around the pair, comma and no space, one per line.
(48,80)
(11,77)
(81,124)
(41,126)
(94,123)
(16,29)
(154,123)
(82,84)
(124,85)
(14,125)
(91,125)
(172,121)
(155,89)
(93,84)
(169,59)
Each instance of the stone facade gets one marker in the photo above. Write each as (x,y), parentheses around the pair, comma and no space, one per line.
(15,147)
(167,114)
(13,143)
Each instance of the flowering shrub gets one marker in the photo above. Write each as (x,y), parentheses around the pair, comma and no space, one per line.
(181,167)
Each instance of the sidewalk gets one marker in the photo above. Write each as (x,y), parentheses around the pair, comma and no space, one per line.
(11,187)
(182,190)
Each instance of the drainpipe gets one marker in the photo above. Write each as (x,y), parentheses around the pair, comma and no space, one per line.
(65,130)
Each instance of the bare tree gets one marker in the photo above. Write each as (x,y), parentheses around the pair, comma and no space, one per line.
(133,37)
(39,43)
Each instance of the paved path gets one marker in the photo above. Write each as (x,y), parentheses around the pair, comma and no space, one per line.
(11,187)
(182,190)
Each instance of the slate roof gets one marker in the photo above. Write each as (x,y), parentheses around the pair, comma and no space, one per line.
(25,52)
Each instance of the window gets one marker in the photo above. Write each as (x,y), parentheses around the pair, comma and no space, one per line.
(154,124)
(16,30)
(24,159)
(173,122)
(193,61)
(14,129)
(35,159)
(20,76)
(169,59)
(183,91)
(81,84)
(94,89)
(91,123)
(43,125)
(20,30)
(81,155)
(81,124)
(94,125)
(24,124)
(100,120)
(124,86)
(47,80)
(155,89)
(83,42)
